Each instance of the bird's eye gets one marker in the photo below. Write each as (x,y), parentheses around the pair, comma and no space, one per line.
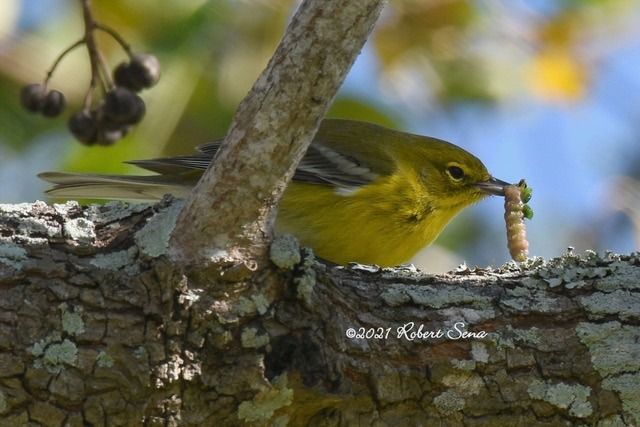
(455,172)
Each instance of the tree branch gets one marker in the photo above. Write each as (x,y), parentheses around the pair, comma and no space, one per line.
(229,215)
(98,327)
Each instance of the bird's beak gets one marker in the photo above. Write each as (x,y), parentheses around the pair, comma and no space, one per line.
(492,186)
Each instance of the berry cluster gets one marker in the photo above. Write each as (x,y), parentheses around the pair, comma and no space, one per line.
(121,107)
(102,120)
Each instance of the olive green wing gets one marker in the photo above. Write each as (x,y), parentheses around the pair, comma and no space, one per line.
(344,153)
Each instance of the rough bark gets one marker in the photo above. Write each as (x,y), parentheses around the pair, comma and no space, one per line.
(98,328)
(228,217)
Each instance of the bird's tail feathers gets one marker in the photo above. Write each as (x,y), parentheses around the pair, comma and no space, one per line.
(95,186)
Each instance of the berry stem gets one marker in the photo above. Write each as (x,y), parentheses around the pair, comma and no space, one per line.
(58,59)
(92,49)
(98,67)
(106,76)
(90,40)
(88,100)
(116,36)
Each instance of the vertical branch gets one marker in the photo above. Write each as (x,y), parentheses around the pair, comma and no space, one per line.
(228,217)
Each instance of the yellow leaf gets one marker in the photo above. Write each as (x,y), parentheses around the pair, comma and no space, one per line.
(557,76)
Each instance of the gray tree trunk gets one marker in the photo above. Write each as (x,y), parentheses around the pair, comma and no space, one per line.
(98,328)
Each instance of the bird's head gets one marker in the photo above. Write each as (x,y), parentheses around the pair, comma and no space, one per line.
(452,177)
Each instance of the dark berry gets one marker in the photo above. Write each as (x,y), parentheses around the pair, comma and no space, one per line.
(122,77)
(32,97)
(123,107)
(83,127)
(144,69)
(110,135)
(54,104)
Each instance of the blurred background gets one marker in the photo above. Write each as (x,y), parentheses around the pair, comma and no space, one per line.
(547,90)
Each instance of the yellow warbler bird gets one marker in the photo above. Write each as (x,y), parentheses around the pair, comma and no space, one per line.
(361,193)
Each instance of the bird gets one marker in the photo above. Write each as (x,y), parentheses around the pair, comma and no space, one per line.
(362,192)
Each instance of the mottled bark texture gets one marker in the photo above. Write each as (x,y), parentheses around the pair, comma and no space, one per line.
(98,328)
(228,218)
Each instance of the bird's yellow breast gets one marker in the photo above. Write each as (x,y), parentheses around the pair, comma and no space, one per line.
(386,222)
